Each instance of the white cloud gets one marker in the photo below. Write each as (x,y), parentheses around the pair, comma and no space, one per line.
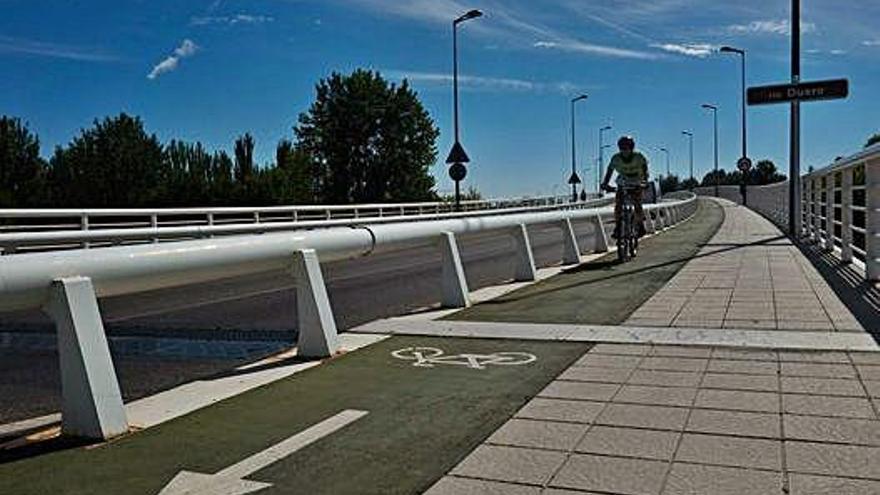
(871,43)
(231,20)
(186,49)
(777,27)
(606,51)
(486,83)
(30,47)
(699,50)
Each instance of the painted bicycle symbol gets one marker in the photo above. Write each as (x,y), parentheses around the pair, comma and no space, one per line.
(428,357)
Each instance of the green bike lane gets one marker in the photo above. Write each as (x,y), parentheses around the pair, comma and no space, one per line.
(422,419)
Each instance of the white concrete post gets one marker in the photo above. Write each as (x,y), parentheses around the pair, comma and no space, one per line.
(673,215)
(816,210)
(454,284)
(571,253)
(317,329)
(846,199)
(91,403)
(649,223)
(829,212)
(525,260)
(872,220)
(600,236)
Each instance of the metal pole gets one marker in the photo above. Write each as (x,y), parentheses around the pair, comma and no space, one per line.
(794,184)
(717,178)
(455,80)
(574,192)
(745,152)
(692,155)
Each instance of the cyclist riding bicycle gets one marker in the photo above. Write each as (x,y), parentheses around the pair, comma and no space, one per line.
(632,175)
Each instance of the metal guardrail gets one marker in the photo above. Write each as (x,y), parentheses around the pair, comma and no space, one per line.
(51,229)
(66,284)
(840,208)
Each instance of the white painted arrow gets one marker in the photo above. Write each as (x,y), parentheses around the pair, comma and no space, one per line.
(230,481)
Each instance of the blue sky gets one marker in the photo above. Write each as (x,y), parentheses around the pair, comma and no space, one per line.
(210,70)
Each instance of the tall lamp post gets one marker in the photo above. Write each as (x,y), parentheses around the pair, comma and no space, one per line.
(714,109)
(665,150)
(745,154)
(601,155)
(574,180)
(690,136)
(457,156)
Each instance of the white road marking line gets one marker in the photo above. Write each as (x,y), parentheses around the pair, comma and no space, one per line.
(230,481)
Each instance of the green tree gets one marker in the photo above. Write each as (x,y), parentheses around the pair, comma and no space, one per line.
(873,140)
(368,140)
(188,179)
(293,168)
(22,171)
(113,164)
(669,183)
(765,172)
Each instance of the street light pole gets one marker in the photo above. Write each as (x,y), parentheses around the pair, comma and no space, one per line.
(665,150)
(690,135)
(601,155)
(574,180)
(457,156)
(714,109)
(745,154)
(794,172)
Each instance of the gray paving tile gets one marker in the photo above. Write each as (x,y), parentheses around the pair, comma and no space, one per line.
(822,386)
(868,372)
(538,434)
(806,484)
(690,479)
(730,381)
(814,356)
(664,378)
(734,423)
(730,353)
(660,396)
(626,349)
(596,374)
(511,464)
(737,400)
(673,364)
(865,357)
(654,417)
(730,451)
(608,361)
(579,390)
(821,405)
(450,485)
(576,411)
(833,460)
(818,370)
(837,430)
(681,351)
(873,387)
(629,442)
(743,367)
(611,474)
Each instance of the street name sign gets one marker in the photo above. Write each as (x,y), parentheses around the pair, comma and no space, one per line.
(831,89)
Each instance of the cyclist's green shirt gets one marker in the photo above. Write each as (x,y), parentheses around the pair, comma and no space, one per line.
(634,170)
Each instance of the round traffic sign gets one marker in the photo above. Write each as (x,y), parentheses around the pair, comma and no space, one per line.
(744,164)
(457,172)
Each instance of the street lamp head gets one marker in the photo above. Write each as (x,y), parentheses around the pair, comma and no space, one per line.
(606,128)
(687,133)
(579,98)
(730,49)
(473,14)
(663,149)
(710,107)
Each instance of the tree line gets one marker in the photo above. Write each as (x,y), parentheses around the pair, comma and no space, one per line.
(363,140)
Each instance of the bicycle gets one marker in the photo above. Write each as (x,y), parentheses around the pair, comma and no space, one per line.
(627,234)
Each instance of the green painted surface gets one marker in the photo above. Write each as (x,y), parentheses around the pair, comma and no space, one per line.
(421,422)
(604,292)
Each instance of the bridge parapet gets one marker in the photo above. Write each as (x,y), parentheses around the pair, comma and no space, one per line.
(840,208)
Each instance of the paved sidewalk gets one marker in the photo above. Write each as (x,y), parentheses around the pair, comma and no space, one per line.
(748,276)
(642,419)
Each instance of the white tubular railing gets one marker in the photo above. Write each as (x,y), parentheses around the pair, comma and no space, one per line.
(50,229)
(66,284)
(840,208)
